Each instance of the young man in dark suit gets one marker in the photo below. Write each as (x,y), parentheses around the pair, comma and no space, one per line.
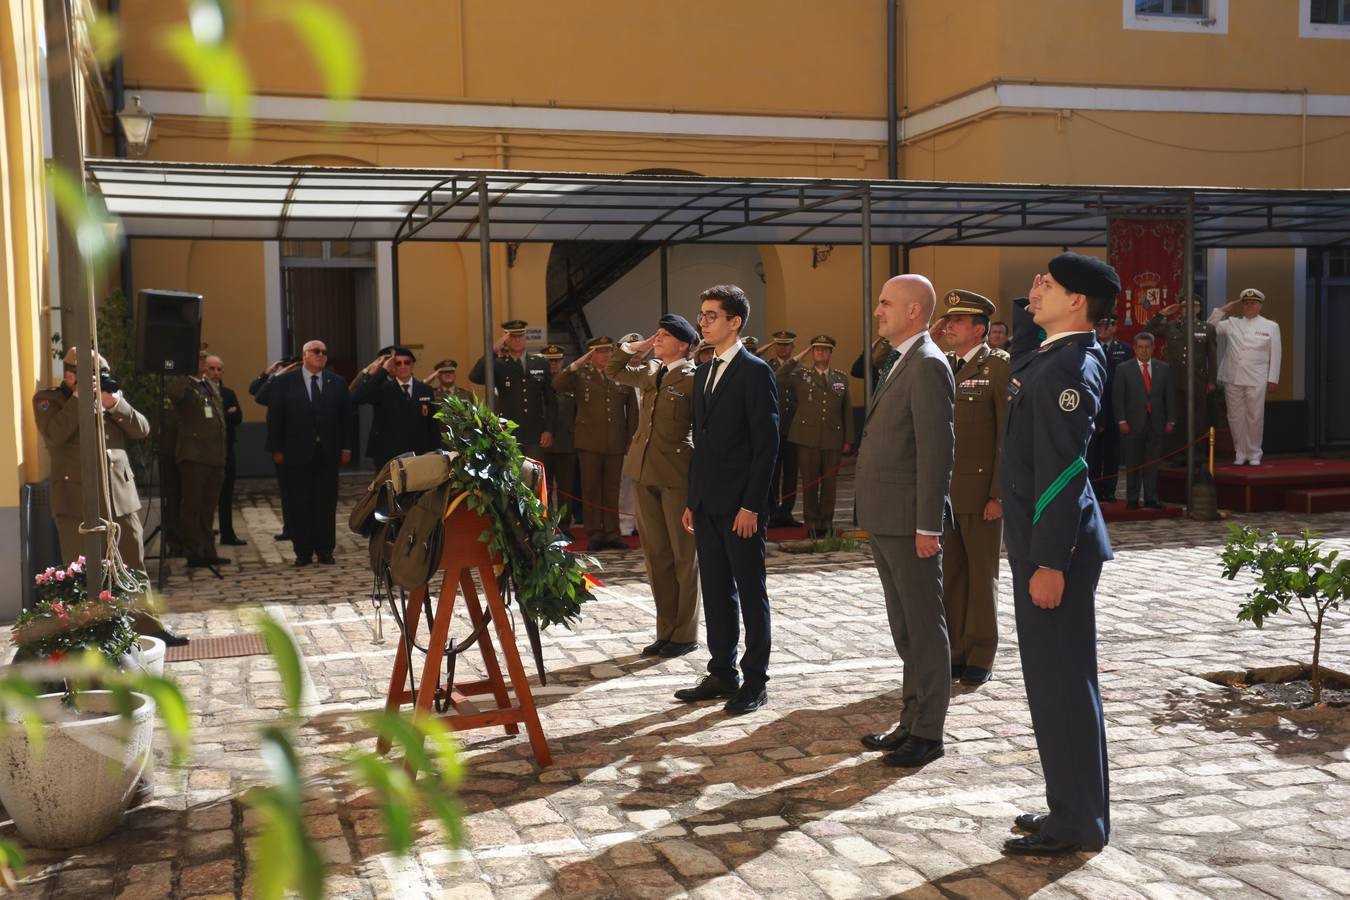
(311,430)
(735,445)
(404,406)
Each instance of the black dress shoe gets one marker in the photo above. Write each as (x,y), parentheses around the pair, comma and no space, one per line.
(1039,845)
(673,649)
(233,541)
(747,700)
(170,638)
(958,669)
(1030,822)
(888,741)
(327,559)
(1132,504)
(302,561)
(616,544)
(654,648)
(914,753)
(710,688)
(593,546)
(974,676)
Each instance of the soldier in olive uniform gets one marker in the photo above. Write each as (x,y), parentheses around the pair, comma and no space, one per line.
(784,488)
(971,546)
(703,353)
(821,428)
(659,463)
(442,381)
(524,389)
(561,461)
(1170,325)
(58,422)
(607,414)
(199,452)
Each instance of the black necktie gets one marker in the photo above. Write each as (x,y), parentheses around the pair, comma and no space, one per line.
(959,363)
(314,389)
(891,359)
(660,374)
(712,375)
(407,389)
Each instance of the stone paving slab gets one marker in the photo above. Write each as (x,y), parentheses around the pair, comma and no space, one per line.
(1214,794)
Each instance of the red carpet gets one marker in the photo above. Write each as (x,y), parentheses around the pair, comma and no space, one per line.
(1116,512)
(1260,488)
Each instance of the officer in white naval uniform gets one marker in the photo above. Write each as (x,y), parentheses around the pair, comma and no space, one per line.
(1248,371)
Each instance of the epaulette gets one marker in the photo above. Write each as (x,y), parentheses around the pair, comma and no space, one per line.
(1000,354)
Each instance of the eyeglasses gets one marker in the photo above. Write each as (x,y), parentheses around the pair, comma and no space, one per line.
(706,317)
(318,352)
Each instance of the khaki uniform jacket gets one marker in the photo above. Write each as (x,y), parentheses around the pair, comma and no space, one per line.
(787,401)
(824,416)
(462,393)
(57,420)
(200,417)
(664,442)
(564,436)
(981,415)
(607,412)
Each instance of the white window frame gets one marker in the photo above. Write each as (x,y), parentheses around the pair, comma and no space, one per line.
(1217,23)
(1309,29)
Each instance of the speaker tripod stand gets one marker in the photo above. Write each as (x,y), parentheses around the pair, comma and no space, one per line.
(162,529)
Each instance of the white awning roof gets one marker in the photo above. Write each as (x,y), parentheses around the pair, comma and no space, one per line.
(237,202)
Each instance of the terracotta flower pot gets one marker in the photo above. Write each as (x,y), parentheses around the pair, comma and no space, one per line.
(74,788)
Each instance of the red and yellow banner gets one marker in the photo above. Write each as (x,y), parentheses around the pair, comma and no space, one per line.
(1149,254)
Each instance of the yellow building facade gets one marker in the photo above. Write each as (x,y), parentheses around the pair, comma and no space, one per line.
(1252,93)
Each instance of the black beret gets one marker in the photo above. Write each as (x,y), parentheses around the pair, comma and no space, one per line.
(679,328)
(1085,275)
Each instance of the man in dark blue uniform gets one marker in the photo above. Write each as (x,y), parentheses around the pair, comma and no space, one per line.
(1057,542)
(1104,451)
(404,406)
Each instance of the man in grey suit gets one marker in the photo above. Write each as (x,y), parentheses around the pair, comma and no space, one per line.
(1142,399)
(903,477)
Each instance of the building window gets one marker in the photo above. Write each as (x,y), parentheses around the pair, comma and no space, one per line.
(1203,16)
(1324,19)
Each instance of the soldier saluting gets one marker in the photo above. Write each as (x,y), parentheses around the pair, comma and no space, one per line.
(1170,325)
(524,389)
(404,406)
(821,430)
(1057,542)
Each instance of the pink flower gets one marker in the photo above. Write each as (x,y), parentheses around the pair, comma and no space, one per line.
(51,570)
(80,559)
(39,578)
(60,576)
(105,596)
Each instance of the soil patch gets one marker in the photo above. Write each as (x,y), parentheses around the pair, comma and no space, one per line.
(1286,685)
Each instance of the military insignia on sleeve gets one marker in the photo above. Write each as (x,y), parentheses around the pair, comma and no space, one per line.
(44,405)
(1068,400)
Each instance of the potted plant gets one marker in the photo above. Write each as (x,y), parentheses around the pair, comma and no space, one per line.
(69,773)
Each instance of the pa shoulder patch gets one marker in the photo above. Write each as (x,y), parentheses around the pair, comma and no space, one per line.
(44,405)
(1068,399)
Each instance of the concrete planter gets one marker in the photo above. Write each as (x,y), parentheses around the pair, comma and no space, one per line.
(73,790)
(150,655)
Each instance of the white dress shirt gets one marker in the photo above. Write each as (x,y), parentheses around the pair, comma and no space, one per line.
(726,357)
(902,350)
(1252,358)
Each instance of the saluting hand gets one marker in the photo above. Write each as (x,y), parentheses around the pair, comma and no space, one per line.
(642,346)
(938,329)
(1046,588)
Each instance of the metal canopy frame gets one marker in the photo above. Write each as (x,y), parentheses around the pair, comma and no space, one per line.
(171,200)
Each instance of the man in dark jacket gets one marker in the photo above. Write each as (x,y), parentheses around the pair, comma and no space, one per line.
(404,406)
(311,430)
(234,417)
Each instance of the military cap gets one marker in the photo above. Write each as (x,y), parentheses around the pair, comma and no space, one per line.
(679,328)
(72,359)
(445,365)
(1107,320)
(552,351)
(630,338)
(824,340)
(751,343)
(968,303)
(1085,275)
(515,326)
(396,350)
(1252,294)
(784,337)
(600,342)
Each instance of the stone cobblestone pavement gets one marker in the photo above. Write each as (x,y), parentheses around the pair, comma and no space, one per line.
(1213,794)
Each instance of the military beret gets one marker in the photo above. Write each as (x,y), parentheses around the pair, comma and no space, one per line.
(1252,294)
(751,343)
(679,328)
(446,365)
(515,326)
(600,342)
(784,337)
(1085,275)
(968,303)
(404,351)
(72,359)
(552,351)
(824,340)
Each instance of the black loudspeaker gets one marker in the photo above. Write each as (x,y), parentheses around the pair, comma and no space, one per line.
(168,332)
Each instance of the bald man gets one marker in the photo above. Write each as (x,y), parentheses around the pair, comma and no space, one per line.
(901,495)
